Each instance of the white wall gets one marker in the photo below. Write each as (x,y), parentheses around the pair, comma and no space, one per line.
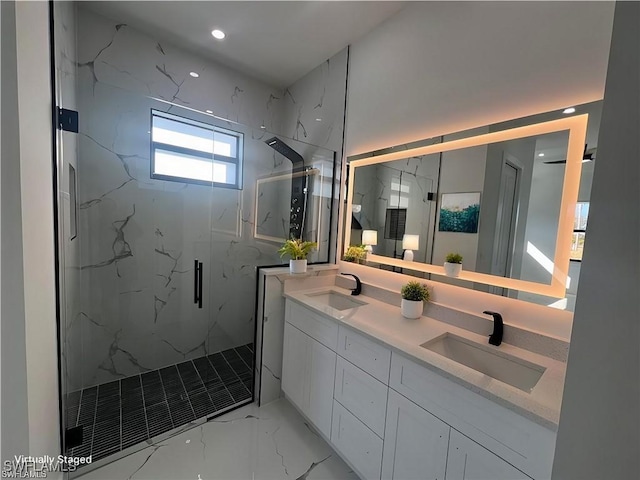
(30,413)
(34,104)
(599,434)
(441,67)
(15,432)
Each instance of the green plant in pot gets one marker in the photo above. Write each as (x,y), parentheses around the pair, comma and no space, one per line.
(453,264)
(414,294)
(355,254)
(297,249)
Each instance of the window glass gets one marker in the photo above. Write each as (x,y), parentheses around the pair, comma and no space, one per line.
(191,152)
(579,227)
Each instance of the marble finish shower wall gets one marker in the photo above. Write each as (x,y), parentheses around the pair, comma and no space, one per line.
(139,236)
(314,108)
(117,54)
(320,94)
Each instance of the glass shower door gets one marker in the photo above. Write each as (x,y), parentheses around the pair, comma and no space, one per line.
(69,261)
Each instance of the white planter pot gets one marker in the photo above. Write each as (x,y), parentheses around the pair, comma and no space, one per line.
(411,308)
(452,269)
(298,266)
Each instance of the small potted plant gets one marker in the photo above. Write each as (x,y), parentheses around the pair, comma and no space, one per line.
(453,264)
(298,250)
(414,294)
(355,254)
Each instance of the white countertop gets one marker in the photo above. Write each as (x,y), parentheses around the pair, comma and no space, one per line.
(384,323)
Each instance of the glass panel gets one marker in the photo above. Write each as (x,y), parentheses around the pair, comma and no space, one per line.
(69,253)
(141,323)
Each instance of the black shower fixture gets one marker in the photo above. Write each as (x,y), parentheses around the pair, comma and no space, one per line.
(281,147)
(299,187)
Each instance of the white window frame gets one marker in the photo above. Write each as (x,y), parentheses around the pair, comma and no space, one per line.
(236,160)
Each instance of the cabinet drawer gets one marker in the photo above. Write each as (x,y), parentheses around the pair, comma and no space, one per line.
(469,461)
(520,441)
(360,446)
(361,394)
(370,356)
(316,326)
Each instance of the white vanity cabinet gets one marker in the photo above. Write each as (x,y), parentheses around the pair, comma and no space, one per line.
(415,442)
(308,372)
(357,443)
(294,368)
(419,445)
(469,461)
(392,418)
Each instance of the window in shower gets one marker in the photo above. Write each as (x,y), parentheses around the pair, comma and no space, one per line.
(184,150)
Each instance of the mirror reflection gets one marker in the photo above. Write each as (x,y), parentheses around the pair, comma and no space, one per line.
(497,205)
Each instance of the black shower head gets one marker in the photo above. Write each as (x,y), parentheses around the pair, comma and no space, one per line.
(281,147)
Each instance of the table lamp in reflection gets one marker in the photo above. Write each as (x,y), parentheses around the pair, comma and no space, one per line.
(369,238)
(409,244)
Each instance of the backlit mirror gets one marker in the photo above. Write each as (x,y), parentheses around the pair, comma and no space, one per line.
(512,199)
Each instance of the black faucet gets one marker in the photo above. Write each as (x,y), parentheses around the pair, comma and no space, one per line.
(358,289)
(498,328)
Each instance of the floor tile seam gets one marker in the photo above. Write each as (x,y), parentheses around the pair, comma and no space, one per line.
(237,353)
(79,406)
(224,384)
(93,423)
(166,400)
(214,369)
(185,391)
(239,379)
(203,384)
(120,405)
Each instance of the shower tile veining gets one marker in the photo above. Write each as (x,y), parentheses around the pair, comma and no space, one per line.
(123,413)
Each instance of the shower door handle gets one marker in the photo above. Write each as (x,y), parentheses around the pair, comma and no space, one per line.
(199,284)
(196,268)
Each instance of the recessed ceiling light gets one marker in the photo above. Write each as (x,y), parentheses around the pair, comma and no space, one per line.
(194,74)
(569,110)
(541,154)
(218,34)
(318,119)
(209,111)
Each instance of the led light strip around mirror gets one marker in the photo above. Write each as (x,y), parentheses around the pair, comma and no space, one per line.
(577,127)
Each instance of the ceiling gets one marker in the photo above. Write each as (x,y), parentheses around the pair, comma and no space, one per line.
(277,42)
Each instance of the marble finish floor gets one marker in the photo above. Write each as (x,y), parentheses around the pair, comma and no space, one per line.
(250,443)
(120,414)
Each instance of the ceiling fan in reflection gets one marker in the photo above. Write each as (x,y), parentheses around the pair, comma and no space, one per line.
(588,156)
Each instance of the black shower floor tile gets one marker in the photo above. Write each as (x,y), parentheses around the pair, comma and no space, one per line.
(123,413)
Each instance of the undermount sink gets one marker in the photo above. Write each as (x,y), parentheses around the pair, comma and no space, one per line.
(336,300)
(515,371)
